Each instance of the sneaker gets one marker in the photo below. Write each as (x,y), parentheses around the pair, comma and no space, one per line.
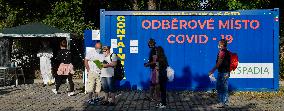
(91,102)
(158,105)
(98,99)
(54,91)
(162,106)
(71,94)
(220,105)
(104,103)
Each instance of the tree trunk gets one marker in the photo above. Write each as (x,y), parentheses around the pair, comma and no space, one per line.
(152,5)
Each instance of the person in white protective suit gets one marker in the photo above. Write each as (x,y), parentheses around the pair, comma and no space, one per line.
(45,54)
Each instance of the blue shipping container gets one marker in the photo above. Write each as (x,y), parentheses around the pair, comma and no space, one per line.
(190,41)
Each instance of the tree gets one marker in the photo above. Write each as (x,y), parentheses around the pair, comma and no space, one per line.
(152,5)
(68,16)
(19,12)
(135,5)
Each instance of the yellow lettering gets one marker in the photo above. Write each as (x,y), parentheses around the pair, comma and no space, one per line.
(121,56)
(120,25)
(120,31)
(120,18)
(120,44)
(120,36)
(119,50)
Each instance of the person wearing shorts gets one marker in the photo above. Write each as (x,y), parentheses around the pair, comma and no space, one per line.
(107,76)
(94,80)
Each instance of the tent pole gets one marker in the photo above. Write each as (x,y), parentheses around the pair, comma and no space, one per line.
(68,42)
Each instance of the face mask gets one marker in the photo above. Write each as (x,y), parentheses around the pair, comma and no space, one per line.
(98,50)
(105,53)
(219,46)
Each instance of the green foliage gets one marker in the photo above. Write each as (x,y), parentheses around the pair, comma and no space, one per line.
(238,4)
(251,4)
(68,16)
(19,12)
(179,5)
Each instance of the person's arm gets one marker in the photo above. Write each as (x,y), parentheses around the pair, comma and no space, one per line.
(39,54)
(149,64)
(114,60)
(50,53)
(150,60)
(113,63)
(219,62)
(87,58)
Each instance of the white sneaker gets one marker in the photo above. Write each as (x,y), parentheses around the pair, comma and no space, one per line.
(219,105)
(71,94)
(160,105)
(54,91)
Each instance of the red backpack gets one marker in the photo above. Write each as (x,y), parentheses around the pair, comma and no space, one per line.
(234,61)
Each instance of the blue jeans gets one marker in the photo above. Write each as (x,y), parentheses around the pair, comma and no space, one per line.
(222,88)
(108,84)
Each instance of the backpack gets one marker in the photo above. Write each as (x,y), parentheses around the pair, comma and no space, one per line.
(234,61)
(118,69)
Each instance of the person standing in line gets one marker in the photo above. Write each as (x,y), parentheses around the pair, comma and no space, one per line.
(223,66)
(162,64)
(152,63)
(107,76)
(94,80)
(45,54)
(65,69)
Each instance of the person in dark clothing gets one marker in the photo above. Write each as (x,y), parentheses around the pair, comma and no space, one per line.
(162,64)
(223,66)
(154,84)
(65,69)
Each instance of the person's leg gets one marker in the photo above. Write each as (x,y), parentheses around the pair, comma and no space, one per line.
(49,73)
(90,85)
(44,75)
(152,90)
(226,92)
(222,89)
(98,86)
(106,90)
(158,92)
(163,92)
(71,83)
(43,72)
(58,82)
(219,88)
(45,78)
(112,90)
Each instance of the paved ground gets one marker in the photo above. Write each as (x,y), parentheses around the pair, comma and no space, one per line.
(34,97)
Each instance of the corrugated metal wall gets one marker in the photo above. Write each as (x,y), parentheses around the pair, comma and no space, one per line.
(257,49)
